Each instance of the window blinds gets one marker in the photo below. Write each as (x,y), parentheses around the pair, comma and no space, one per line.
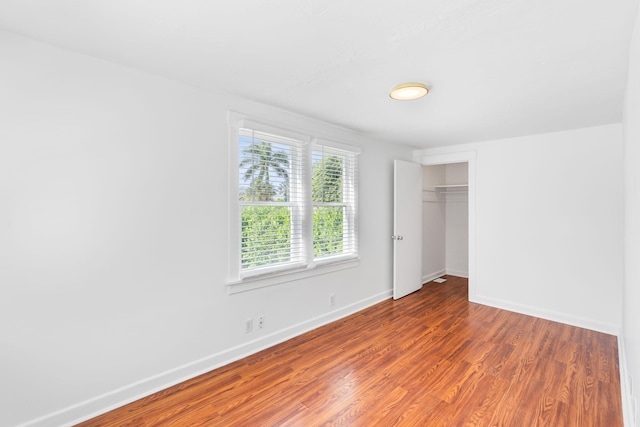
(271,200)
(298,202)
(333,195)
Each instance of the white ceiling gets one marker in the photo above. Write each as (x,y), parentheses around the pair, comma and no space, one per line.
(496,68)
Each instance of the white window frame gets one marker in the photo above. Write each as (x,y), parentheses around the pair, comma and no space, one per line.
(239,281)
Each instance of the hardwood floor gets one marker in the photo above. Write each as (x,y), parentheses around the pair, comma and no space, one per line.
(429,359)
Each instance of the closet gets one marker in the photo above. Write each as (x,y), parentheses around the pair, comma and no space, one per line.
(445,221)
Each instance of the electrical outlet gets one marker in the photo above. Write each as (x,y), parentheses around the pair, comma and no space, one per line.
(248,326)
(332,300)
(261,322)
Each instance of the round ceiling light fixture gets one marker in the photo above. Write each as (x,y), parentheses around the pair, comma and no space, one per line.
(408,91)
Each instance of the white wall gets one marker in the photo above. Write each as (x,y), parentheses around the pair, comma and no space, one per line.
(549,214)
(631,324)
(457,223)
(113,236)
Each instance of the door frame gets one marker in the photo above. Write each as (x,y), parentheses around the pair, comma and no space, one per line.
(468,157)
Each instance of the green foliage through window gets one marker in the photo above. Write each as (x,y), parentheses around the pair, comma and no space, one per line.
(327,230)
(327,179)
(326,191)
(266,235)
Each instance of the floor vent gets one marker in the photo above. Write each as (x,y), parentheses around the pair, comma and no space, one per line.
(439,280)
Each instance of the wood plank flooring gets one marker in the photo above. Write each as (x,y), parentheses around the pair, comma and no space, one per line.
(429,359)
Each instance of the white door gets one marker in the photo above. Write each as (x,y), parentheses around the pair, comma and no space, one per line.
(407,228)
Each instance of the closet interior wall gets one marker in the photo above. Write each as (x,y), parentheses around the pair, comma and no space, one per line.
(445,215)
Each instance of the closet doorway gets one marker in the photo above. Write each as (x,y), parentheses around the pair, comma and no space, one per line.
(449,220)
(445,221)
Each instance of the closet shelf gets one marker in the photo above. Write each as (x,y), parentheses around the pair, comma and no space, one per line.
(451,186)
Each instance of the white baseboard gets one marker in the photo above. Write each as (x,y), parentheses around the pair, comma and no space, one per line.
(548,315)
(458,273)
(430,276)
(628,400)
(100,404)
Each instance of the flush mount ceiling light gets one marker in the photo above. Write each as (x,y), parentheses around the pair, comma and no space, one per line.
(408,91)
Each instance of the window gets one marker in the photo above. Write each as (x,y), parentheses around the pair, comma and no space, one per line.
(271,200)
(333,198)
(295,201)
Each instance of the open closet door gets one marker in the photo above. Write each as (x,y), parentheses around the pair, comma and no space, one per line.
(407,228)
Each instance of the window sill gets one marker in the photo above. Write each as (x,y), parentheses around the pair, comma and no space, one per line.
(262,281)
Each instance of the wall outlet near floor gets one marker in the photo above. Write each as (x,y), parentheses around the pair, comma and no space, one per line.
(248,326)
(332,300)
(261,322)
